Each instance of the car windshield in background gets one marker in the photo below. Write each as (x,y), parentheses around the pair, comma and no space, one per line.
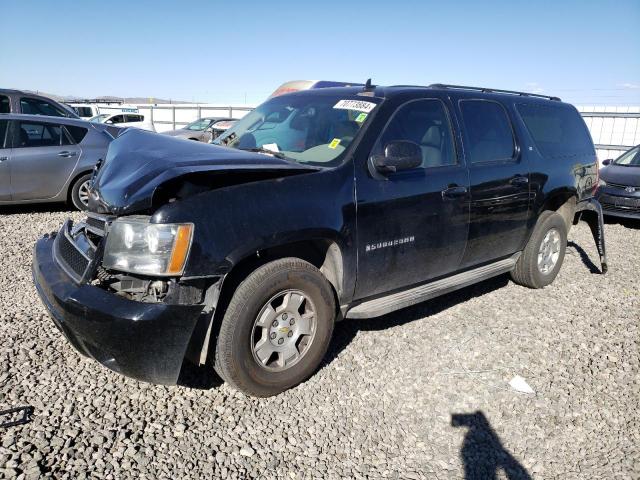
(198,125)
(314,129)
(99,118)
(629,159)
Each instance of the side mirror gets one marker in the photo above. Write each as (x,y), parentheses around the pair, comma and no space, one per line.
(607,161)
(398,155)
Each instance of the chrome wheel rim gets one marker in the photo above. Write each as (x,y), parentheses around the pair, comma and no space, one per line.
(283,331)
(549,251)
(83,192)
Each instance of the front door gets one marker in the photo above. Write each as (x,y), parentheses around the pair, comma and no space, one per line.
(5,153)
(42,160)
(499,179)
(412,224)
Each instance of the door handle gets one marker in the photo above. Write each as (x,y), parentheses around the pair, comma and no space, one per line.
(519,180)
(2,159)
(454,191)
(66,154)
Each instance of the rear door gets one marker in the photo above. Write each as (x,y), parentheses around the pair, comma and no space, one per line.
(5,154)
(42,160)
(499,182)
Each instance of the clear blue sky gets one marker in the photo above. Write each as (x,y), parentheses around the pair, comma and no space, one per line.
(213,51)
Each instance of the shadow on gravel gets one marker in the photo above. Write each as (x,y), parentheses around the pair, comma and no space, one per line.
(482,452)
(199,377)
(584,257)
(346,330)
(625,222)
(34,208)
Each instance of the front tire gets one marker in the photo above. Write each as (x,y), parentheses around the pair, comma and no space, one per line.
(542,258)
(80,192)
(276,329)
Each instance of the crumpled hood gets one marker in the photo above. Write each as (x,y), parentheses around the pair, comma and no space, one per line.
(138,161)
(621,175)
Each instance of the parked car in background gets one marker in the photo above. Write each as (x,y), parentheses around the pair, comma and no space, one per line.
(316,206)
(203,130)
(49,159)
(619,185)
(87,111)
(17,101)
(298,85)
(123,120)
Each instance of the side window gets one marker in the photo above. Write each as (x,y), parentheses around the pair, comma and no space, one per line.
(488,131)
(426,123)
(4,129)
(134,118)
(117,119)
(76,133)
(5,106)
(558,131)
(39,135)
(34,106)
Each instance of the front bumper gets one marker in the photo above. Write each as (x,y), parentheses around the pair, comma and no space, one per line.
(146,341)
(616,202)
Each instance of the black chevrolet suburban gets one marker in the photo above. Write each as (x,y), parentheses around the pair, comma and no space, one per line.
(317,206)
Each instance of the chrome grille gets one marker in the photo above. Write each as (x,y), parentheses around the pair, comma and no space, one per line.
(69,256)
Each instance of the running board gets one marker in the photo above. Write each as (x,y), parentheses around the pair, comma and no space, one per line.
(396,301)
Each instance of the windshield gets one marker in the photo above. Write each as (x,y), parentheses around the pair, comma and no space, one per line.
(629,159)
(99,118)
(198,125)
(306,128)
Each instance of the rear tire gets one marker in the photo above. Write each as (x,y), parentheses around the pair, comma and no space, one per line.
(542,258)
(276,328)
(80,192)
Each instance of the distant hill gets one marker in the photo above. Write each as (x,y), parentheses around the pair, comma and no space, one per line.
(107,98)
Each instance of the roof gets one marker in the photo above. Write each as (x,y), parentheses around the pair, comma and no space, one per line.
(379,91)
(43,118)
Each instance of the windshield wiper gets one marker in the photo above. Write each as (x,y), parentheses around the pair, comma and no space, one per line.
(279,155)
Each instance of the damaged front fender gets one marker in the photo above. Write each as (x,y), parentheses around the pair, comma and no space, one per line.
(590,211)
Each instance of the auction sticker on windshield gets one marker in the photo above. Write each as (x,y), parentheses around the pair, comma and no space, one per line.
(357,105)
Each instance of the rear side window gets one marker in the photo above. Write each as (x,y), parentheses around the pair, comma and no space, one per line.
(76,133)
(5,107)
(4,128)
(39,135)
(33,106)
(558,131)
(488,131)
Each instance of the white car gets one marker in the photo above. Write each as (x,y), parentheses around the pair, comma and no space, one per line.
(120,119)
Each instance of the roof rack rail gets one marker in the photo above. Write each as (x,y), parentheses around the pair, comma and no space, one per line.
(494,90)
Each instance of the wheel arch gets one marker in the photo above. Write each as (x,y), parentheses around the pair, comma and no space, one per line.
(73,181)
(564,203)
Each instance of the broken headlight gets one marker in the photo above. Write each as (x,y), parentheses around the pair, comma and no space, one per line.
(136,246)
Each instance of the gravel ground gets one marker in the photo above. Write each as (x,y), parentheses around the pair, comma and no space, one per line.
(421,393)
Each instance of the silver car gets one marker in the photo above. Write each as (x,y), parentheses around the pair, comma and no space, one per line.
(203,129)
(49,159)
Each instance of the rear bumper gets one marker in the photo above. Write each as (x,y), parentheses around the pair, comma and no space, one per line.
(145,341)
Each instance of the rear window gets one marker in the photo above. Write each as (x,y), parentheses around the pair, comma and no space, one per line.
(76,133)
(488,129)
(4,104)
(558,131)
